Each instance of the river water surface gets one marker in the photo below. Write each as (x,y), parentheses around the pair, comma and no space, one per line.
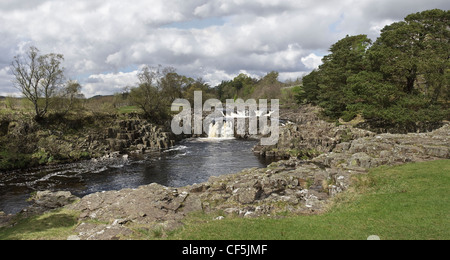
(192,161)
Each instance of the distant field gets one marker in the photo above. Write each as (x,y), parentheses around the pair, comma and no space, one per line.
(129,109)
(102,104)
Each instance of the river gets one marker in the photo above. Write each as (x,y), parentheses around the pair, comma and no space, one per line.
(191,161)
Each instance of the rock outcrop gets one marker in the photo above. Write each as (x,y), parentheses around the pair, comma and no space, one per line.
(299,186)
(294,185)
(389,149)
(136,135)
(30,144)
(44,201)
(306,136)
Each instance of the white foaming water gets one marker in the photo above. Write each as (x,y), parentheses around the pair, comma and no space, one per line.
(176,148)
(239,114)
(222,130)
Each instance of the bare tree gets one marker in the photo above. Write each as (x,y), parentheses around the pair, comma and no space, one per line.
(38,78)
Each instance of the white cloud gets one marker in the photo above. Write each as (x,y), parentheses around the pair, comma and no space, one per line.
(312,61)
(376,27)
(6,85)
(106,84)
(201,38)
(214,78)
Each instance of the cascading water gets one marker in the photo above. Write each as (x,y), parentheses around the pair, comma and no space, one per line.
(225,129)
(239,114)
(221,130)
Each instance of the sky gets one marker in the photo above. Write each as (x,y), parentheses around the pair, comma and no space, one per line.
(106,42)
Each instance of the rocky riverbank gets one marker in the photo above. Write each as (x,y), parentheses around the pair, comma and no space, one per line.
(296,185)
(305,135)
(138,136)
(25,144)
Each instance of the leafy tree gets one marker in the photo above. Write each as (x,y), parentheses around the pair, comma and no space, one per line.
(311,88)
(71,93)
(198,85)
(413,49)
(38,77)
(413,55)
(435,52)
(158,88)
(269,87)
(395,54)
(148,96)
(223,90)
(402,79)
(172,84)
(289,95)
(347,59)
(242,86)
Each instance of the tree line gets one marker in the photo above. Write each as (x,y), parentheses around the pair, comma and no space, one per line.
(400,79)
(40,78)
(159,86)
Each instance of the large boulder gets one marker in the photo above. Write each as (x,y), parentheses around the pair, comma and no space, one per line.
(47,200)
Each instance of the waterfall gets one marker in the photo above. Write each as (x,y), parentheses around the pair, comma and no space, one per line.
(239,114)
(225,129)
(221,130)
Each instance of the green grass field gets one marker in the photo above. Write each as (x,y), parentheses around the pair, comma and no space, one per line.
(409,202)
(129,109)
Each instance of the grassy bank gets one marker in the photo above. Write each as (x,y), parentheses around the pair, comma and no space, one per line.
(57,225)
(404,202)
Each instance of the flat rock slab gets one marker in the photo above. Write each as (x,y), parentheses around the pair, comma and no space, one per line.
(301,187)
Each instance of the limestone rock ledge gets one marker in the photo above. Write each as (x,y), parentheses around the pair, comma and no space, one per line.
(294,185)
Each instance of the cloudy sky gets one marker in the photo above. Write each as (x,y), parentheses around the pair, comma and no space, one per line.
(105,42)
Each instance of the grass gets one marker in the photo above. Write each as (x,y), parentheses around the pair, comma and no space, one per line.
(408,202)
(55,225)
(129,109)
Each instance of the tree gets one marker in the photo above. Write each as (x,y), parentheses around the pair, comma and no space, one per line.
(367,93)
(269,87)
(413,49)
(38,78)
(172,84)
(157,89)
(198,85)
(347,58)
(242,86)
(400,80)
(71,95)
(147,95)
(413,58)
(434,64)
(311,88)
